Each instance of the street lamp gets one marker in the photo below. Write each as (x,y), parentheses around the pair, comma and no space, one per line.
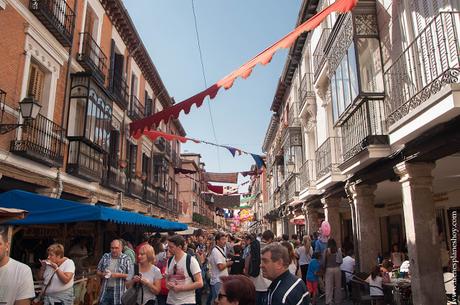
(29,109)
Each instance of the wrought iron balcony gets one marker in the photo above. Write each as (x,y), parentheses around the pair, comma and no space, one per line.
(293,115)
(57,16)
(42,140)
(328,157)
(119,89)
(319,55)
(307,174)
(429,63)
(136,109)
(151,194)
(84,161)
(92,58)
(161,199)
(114,177)
(365,126)
(293,187)
(135,187)
(306,90)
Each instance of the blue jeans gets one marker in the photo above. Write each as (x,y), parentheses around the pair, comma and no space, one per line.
(213,293)
(108,297)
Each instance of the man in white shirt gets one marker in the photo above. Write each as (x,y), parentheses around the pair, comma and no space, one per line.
(16,282)
(183,274)
(348,268)
(219,264)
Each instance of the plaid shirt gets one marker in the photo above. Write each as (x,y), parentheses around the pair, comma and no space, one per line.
(124,266)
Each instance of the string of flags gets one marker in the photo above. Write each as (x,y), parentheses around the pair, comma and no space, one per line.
(155,134)
(263,58)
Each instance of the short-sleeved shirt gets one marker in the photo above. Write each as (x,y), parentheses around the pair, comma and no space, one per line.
(182,278)
(217,257)
(304,258)
(313,267)
(238,265)
(16,282)
(152,275)
(348,265)
(56,285)
(375,286)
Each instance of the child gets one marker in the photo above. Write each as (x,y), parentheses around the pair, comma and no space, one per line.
(313,273)
(375,281)
(238,262)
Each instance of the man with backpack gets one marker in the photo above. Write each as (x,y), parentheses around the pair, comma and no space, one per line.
(219,265)
(183,274)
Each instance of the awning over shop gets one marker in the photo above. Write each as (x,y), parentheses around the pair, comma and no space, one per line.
(45,210)
(299,220)
(7,214)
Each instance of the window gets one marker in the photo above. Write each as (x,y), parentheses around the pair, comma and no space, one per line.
(132,157)
(90,113)
(344,84)
(370,65)
(114,149)
(36,82)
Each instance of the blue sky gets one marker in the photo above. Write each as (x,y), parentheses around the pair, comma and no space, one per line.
(231,32)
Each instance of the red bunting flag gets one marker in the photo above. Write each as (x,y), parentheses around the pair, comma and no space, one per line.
(263,58)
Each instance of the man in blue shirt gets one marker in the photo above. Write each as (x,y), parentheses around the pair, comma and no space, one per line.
(285,288)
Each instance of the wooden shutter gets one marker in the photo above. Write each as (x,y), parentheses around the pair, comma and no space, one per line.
(36,81)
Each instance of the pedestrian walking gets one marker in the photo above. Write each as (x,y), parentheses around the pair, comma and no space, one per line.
(183,274)
(331,261)
(57,272)
(285,287)
(16,282)
(114,268)
(219,265)
(304,254)
(149,276)
(236,290)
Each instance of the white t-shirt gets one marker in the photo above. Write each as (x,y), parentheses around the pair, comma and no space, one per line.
(374,283)
(304,259)
(348,265)
(56,284)
(292,268)
(152,275)
(16,282)
(216,258)
(182,278)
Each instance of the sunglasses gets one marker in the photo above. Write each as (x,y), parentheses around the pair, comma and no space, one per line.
(220,296)
(175,269)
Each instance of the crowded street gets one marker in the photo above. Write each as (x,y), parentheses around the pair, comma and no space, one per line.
(209,152)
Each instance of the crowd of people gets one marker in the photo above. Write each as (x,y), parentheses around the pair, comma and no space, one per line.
(244,269)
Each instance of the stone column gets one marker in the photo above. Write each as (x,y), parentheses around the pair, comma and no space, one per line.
(331,211)
(367,225)
(421,233)
(311,217)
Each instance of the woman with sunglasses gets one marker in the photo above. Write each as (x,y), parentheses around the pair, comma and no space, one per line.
(236,290)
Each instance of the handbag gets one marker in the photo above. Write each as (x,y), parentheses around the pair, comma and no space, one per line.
(131,296)
(39,300)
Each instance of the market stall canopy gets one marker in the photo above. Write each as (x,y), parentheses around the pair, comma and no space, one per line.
(45,210)
(7,214)
(189,231)
(299,220)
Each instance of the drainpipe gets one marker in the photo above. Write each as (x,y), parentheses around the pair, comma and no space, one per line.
(65,104)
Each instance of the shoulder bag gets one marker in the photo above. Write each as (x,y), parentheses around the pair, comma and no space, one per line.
(39,300)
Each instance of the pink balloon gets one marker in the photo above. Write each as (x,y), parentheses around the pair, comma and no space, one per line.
(325,228)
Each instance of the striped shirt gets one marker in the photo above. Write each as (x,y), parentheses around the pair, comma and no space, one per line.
(124,266)
(288,289)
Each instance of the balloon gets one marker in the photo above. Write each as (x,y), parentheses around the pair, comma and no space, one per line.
(325,228)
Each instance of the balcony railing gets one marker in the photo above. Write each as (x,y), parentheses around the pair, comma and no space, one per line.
(293,186)
(84,161)
(136,109)
(57,16)
(92,58)
(293,115)
(428,64)
(119,89)
(306,89)
(151,194)
(319,55)
(328,157)
(307,174)
(42,140)
(136,187)
(114,178)
(161,199)
(365,126)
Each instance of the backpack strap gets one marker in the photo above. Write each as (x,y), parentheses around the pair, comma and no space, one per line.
(188,262)
(170,260)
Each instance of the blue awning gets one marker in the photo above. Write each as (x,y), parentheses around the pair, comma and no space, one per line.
(46,210)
